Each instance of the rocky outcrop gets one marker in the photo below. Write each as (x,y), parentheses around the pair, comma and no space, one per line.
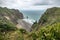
(10,14)
(24,25)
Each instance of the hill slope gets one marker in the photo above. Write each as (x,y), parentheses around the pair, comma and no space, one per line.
(14,16)
(52,15)
(48,27)
(10,14)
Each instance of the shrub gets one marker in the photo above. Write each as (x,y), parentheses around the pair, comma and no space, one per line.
(50,32)
(6,26)
(23,31)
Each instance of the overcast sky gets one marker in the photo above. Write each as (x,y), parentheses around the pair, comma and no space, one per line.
(30,4)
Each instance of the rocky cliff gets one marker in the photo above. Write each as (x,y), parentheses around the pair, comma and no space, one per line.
(15,17)
(10,14)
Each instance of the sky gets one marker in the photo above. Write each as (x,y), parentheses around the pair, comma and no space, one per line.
(30,4)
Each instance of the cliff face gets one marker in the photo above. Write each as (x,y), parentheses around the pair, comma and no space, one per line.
(15,17)
(10,14)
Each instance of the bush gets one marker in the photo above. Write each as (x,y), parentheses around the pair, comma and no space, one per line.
(6,26)
(23,31)
(50,32)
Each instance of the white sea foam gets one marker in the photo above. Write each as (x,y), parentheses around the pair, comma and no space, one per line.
(31,21)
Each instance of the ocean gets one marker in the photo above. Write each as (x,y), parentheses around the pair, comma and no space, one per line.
(32,15)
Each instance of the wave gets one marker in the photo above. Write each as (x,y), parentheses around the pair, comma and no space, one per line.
(31,21)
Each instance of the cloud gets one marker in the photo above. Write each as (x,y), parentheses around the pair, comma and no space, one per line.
(29,4)
(48,2)
(16,3)
(43,7)
(42,2)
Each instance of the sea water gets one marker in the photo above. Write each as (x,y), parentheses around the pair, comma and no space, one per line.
(32,15)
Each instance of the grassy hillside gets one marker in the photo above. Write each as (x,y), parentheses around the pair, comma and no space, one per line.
(48,27)
(51,32)
(51,16)
(8,21)
(10,14)
(8,31)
